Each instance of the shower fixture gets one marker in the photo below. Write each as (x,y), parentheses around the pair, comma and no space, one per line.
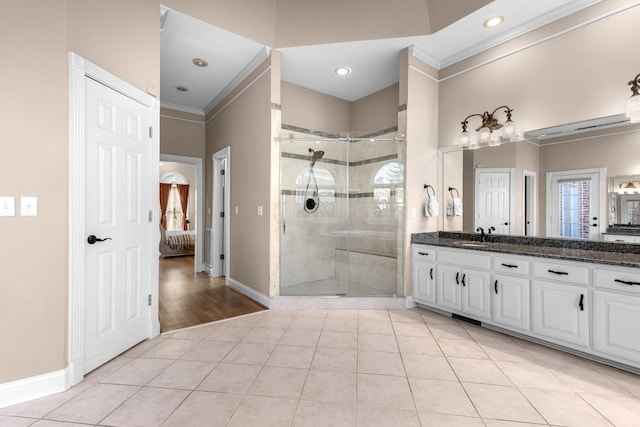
(312,200)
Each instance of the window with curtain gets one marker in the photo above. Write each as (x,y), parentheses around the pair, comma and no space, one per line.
(174,213)
(174,202)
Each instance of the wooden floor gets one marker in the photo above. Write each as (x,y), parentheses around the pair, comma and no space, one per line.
(188,298)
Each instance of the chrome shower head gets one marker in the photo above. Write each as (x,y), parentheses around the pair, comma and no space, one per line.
(315,155)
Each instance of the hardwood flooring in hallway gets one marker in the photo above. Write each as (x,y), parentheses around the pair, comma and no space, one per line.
(188,298)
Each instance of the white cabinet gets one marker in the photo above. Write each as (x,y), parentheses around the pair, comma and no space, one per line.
(621,238)
(511,301)
(617,324)
(464,290)
(561,312)
(424,281)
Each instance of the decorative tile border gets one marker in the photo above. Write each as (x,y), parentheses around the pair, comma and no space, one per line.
(310,131)
(340,162)
(402,107)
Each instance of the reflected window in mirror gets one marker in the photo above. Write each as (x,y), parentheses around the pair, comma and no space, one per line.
(630,213)
(388,190)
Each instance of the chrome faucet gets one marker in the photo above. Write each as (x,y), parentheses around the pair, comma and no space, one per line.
(482,235)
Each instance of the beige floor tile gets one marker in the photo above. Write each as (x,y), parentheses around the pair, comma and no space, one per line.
(93,404)
(230,378)
(462,348)
(375,326)
(429,419)
(430,367)
(327,386)
(442,397)
(48,423)
(310,323)
(531,375)
(288,356)
(373,315)
(204,409)
(478,371)
(38,408)
(480,334)
(107,369)
(264,411)
(334,359)
(249,353)
(197,333)
(411,329)
(260,335)
(338,339)
(377,342)
(342,314)
(169,349)
(250,319)
(508,352)
(324,414)
(341,324)
(312,313)
(550,356)
(500,423)
(384,391)
(502,402)
(372,416)
(10,421)
(279,382)
(627,380)
(419,345)
(229,332)
(148,407)
(432,318)
(448,331)
(138,371)
(621,411)
(584,379)
(183,374)
(302,337)
(209,351)
(142,347)
(564,408)
(380,362)
(413,315)
(271,320)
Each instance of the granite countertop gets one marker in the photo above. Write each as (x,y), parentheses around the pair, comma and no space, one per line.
(566,249)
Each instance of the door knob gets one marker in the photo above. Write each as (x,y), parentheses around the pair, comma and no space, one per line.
(92,239)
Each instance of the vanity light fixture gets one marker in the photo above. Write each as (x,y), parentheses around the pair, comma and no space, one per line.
(494,21)
(633,103)
(343,71)
(485,131)
(629,187)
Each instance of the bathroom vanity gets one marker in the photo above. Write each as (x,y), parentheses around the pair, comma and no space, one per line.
(578,296)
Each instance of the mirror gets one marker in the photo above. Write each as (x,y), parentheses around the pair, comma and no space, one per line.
(616,149)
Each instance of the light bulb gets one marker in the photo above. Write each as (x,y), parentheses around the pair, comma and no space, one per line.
(633,108)
(494,142)
(474,145)
(465,139)
(509,129)
(484,134)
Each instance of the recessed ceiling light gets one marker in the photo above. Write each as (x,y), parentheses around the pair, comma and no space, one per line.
(182,88)
(343,71)
(200,62)
(494,21)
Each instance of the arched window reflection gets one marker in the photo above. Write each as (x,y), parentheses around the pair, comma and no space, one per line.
(388,190)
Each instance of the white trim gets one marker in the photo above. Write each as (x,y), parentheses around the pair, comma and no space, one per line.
(25,389)
(217,158)
(199,214)
(79,68)
(182,119)
(238,94)
(419,71)
(182,108)
(250,292)
(534,201)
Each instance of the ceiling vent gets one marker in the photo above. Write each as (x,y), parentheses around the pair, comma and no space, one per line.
(578,127)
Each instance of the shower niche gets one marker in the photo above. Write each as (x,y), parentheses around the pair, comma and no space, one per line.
(342,207)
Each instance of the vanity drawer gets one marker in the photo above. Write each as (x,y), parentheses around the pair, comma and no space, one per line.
(562,272)
(423,252)
(621,238)
(512,265)
(623,279)
(464,258)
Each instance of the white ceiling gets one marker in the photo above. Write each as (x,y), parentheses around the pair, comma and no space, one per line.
(374,63)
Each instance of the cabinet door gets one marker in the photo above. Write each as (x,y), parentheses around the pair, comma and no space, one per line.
(616,321)
(511,301)
(476,293)
(448,287)
(424,283)
(561,311)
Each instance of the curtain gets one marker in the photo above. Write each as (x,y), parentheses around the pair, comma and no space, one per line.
(183,189)
(164,198)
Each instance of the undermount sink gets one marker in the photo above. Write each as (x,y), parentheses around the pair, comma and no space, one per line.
(472,244)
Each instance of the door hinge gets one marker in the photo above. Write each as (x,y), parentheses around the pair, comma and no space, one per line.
(221,214)
(149,300)
(150,132)
(221,256)
(150,216)
(221,171)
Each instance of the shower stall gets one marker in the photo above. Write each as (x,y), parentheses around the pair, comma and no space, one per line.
(342,214)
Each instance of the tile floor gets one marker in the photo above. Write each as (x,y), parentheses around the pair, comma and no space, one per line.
(341,368)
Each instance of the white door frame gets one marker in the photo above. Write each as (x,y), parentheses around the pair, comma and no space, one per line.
(533,200)
(512,186)
(79,69)
(218,157)
(199,214)
(602,204)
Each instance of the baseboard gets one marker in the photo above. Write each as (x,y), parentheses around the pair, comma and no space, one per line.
(208,269)
(250,292)
(25,389)
(411,303)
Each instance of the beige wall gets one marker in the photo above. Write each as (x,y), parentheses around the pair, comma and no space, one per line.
(313,110)
(182,134)
(376,112)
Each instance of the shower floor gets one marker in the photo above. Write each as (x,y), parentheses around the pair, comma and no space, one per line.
(331,287)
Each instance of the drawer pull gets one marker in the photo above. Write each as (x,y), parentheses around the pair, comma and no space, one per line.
(625,282)
(431,273)
(423,253)
(457,278)
(463,276)
(495,286)
(559,273)
(581,303)
(509,265)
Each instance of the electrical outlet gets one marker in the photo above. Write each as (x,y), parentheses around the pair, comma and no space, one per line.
(7,206)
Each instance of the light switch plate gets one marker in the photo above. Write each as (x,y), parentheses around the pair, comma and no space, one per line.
(7,206)
(260,210)
(28,206)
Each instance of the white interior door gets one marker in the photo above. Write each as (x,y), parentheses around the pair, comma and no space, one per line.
(118,152)
(493,199)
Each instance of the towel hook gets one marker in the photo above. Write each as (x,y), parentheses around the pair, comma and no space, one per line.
(451,190)
(427,187)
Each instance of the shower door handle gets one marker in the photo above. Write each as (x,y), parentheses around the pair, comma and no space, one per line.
(284,214)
